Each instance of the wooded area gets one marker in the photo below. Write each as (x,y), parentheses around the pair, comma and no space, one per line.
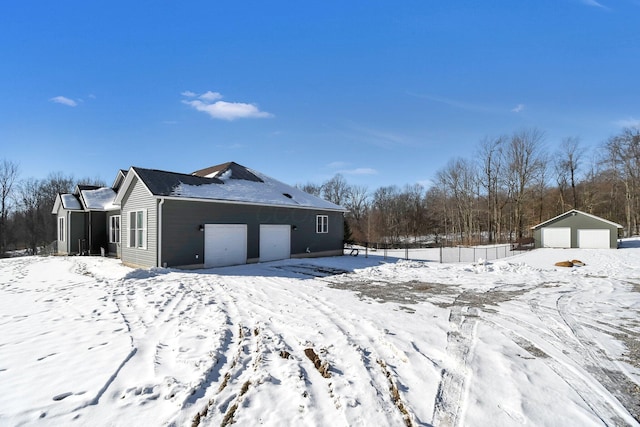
(511,183)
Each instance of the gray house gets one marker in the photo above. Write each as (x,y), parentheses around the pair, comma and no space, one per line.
(83,218)
(222,215)
(577,229)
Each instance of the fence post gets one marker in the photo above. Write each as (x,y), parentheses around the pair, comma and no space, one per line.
(406,252)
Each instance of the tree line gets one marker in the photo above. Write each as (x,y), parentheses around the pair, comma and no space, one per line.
(26,221)
(511,183)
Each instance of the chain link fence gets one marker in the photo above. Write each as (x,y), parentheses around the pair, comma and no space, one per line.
(435,254)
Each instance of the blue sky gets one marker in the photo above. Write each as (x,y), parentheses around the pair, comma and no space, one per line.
(384,92)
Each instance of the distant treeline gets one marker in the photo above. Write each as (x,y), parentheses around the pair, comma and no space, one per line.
(511,183)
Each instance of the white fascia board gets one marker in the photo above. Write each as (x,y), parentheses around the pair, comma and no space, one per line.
(240,202)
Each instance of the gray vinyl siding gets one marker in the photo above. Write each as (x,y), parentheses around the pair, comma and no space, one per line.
(578,222)
(183,242)
(136,198)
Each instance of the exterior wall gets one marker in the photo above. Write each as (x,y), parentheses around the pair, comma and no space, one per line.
(97,232)
(136,198)
(113,249)
(63,245)
(578,222)
(183,242)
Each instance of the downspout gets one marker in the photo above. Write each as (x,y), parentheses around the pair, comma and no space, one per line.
(159,243)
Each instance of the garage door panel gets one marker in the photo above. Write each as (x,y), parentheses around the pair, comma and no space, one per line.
(556,237)
(594,239)
(225,244)
(275,242)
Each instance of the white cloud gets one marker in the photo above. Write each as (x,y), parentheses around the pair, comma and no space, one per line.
(628,123)
(360,171)
(518,108)
(221,109)
(189,94)
(64,101)
(210,96)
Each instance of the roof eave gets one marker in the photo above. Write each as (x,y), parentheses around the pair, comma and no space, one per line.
(244,202)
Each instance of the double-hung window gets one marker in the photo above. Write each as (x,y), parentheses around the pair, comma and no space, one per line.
(114,229)
(322,223)
(61,229)
(138,229)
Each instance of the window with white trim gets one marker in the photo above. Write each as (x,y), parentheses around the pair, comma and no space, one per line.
(322,223)
(114,229)
(138,229)
(61,229)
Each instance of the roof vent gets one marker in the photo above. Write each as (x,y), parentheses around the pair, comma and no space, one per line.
(287,195)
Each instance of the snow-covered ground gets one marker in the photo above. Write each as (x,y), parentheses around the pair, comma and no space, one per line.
(87,341)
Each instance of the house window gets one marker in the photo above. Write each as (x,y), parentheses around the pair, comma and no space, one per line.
(114,229)
(61,229)
(137,229)
(322,224)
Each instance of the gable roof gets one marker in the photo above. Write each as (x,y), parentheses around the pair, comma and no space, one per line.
(69,202)
(229,182)
(574,212)
(230,169)
(86,198)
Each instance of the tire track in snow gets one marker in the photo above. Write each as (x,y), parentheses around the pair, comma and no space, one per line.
(563,346)
(325,394)
(448,406)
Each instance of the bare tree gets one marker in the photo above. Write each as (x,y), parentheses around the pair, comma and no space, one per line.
(624,156)
(311,188)
(523,156)
(492,164)
(8,176)
(459,178)
(566,166)
(336,190)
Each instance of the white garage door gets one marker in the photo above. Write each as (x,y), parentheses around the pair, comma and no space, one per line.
(556,237)
(594,239)
(275,242)
(225,244)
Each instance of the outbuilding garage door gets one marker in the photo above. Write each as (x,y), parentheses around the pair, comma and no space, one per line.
(225,244)
(557,237)
(275,242)
(594,239)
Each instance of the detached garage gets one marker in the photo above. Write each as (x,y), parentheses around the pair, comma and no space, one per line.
(577,229)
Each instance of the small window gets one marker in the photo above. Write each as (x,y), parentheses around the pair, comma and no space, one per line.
(322,224)
(137,229)
(114,229)
(61,229)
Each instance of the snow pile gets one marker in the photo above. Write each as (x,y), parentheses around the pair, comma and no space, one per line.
(329,342)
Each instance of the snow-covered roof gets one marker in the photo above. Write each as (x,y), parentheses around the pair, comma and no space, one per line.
(575,212)
(70,202)
(229,182)
(99,199)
